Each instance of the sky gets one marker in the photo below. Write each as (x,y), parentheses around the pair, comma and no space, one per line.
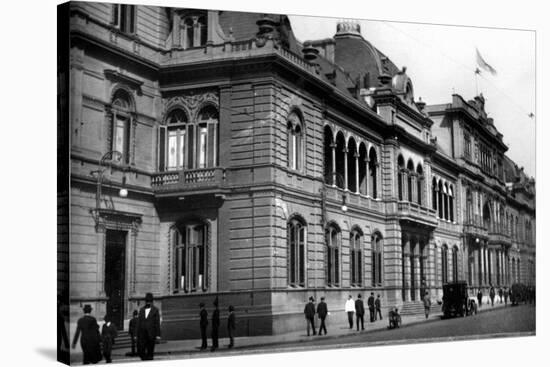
(441,60)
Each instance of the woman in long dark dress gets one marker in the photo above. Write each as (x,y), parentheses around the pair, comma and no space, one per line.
(90,339)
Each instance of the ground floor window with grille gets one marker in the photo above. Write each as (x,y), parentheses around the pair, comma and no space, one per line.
(333,256)
(296,233)
(190,257)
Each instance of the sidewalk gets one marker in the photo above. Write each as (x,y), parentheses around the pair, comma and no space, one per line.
(191,347)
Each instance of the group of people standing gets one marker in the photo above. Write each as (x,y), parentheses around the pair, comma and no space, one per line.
(351,307)
(215,325)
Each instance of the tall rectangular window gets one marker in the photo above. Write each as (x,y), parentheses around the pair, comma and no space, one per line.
(124,17)
(296,246)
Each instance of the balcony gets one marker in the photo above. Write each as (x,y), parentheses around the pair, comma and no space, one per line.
(413,212)
(475,230)
(499,238)
(195,181)
(337,194)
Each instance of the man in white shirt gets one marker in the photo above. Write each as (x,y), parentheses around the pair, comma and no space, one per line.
(350,309)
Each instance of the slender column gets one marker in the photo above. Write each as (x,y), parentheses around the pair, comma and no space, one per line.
(333,148)
(436,201)
(346,169)
(417,280)
(357,173)
(479,265)
(413,188)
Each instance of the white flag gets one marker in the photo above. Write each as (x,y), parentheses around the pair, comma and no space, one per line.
(483,64)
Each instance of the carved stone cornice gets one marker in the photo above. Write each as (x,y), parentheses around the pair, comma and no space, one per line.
(116,219)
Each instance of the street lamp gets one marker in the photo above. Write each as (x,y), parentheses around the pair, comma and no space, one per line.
(113,155)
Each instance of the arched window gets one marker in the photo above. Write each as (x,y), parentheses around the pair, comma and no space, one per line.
(440,198)
(340,154)
(455,263)
(487,216)
(363,162)
(201,23)
(188,32)
(446,201)
(401,177)
(177,128)
(121,123)
(190,242)
(373,172)
(333,255)
(356,249)
(444,264)
(434,194)
(376,259)
(294,142)
(187,144)
(451,203)
(352,160)
(469,207)
(410,174)
(296,238)
(328,158)
(419,184)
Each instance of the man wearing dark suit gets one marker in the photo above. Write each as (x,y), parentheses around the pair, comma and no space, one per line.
(309,312)
(108,335)
(88,327)
(215,325)
(322,312)
(203,325)
(360,312)
(378,306)
(370,303)
(148,329)
(231,325)
(132,330)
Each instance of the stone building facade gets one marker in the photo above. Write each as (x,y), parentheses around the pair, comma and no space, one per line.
(262,170)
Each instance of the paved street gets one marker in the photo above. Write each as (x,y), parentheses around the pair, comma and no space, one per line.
(490,322)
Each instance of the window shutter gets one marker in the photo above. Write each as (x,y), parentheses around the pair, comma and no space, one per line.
(161,144)
(211,145)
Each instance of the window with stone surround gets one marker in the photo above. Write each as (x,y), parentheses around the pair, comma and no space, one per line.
(296,238)
(356,255)
(444,265)
(467,145)
(124,18)
(121,124)
(333,240)
(294,142)
(190,244)
(185,144)
(193,29)
(376,261)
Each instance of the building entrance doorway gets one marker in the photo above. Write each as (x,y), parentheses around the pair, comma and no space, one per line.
(115,270)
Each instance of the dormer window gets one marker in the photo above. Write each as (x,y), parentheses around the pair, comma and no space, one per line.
(194,31)
(124,18)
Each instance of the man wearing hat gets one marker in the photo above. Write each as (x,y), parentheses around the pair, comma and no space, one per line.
(309,312)
(203,324)
(108,335)
(215,325)
(359,312)
(148,329)
(89,341)
(322,312)
(132,330)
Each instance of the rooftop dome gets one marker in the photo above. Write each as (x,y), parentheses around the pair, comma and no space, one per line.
(348,27)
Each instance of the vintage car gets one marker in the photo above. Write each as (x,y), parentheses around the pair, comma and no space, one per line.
(456,301)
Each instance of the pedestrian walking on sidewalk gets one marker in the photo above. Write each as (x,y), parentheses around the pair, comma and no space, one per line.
(203,324)
(88,331)
(378,307)
(231,325)
(479,298)
(350,309)
(492,296)
(215,325)
(322,312)
(359,312)
(500,294)
(309,312)
(370,303)
(505,296)
(148,329)
(427,303)
(108,335)
(132,330)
